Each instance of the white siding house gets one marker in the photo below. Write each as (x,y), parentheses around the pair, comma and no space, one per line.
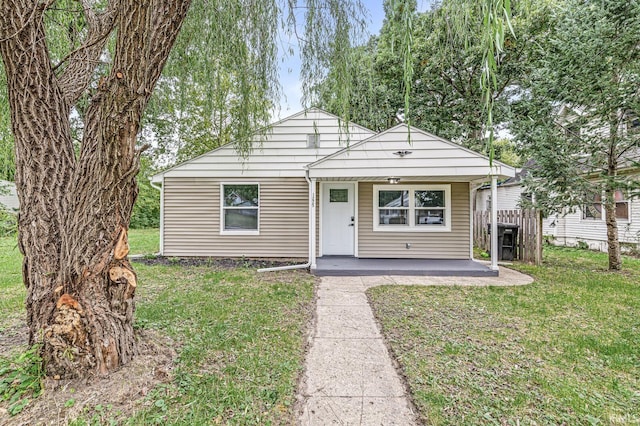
(581,226)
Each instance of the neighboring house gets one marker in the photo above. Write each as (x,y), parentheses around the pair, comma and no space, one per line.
(510,193)
(585,225)
(8,196)
(307,191)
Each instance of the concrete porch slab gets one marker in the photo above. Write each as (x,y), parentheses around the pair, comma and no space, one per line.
(351,266)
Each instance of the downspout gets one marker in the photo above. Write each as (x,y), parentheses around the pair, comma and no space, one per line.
(161,189)
(312,200)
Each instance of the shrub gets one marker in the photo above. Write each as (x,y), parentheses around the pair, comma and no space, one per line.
(8,222)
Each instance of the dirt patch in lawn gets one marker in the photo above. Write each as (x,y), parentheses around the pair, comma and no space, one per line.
(218,262)
(100,400)
(13,337)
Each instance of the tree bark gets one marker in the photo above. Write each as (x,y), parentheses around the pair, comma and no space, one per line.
(75,211)
(613,244)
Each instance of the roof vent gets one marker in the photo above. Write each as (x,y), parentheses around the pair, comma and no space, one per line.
(402,153)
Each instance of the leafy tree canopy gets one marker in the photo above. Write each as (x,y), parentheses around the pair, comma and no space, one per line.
(448,58)
(577,109)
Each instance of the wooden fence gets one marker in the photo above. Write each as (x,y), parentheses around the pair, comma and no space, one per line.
(529,246)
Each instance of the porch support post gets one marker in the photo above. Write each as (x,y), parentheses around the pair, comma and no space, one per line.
(312,223)
(494,223)
(472,193)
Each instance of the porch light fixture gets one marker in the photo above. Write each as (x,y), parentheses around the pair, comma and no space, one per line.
(393,180)
(401,154)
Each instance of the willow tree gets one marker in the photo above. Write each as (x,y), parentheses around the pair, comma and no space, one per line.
(99,61)
(447,53)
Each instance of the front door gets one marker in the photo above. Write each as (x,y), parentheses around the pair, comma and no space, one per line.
(338,218)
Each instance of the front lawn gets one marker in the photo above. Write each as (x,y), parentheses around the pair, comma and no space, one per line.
(563,350)
(239,338)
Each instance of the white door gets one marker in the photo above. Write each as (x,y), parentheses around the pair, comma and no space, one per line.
(338,218)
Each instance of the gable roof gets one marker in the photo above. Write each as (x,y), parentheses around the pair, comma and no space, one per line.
(280,150)
(382,155)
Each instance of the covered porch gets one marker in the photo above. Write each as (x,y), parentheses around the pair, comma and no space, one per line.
(394,205)
(351,266)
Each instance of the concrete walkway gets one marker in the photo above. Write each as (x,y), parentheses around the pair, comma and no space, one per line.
(350,378)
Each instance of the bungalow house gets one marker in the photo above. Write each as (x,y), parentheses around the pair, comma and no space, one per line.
(311,191)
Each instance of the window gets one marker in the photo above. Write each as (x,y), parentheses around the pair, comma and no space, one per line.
(594,211)
(239,208)
(338,195)
(414,208)
(632,122)
(313,140)
(526,198)
(572,131)
(622,205)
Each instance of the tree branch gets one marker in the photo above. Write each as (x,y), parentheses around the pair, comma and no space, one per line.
(82,61)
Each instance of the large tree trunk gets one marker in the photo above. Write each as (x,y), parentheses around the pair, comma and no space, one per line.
(75,212)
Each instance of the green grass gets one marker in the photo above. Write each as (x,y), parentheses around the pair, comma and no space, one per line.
(564,350)
(239,334)
(141,241)
(144,241)
(241,337)
(13,292)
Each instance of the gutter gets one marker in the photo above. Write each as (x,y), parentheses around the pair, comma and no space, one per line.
(153,185)
(311,230)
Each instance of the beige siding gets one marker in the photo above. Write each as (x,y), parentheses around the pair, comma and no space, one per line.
(192,219)
(426,245)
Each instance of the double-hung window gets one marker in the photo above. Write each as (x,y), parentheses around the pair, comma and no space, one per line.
(594,211)
(412,208)
(622,205)
(240,208)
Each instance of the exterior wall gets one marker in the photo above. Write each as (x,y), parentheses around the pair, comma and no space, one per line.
(425,245)
(508,198)
(572,229)
(192,219)
(427,155)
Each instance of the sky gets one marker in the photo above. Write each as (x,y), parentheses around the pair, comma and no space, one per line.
(290,103)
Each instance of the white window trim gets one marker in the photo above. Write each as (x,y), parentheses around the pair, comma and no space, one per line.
(411,227)
(592,219)
(222,207)
(603,213)
(626,201)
